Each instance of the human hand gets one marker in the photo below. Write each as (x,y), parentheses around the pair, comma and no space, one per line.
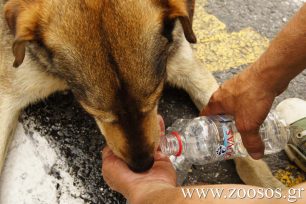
(248,98)
(136,186)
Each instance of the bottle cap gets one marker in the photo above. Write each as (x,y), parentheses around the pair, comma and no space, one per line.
(180,143)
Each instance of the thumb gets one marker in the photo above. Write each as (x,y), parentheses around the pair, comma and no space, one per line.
(112,165)
(214,107)
(106,152)
(253,144)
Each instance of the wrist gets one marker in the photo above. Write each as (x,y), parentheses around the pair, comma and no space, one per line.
(269,79)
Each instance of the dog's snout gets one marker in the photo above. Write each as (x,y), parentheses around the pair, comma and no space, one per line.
(142,165)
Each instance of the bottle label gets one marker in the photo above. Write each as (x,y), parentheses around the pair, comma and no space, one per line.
(226,149)
(221,150)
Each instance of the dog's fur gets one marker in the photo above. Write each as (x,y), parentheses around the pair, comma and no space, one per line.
(115,56)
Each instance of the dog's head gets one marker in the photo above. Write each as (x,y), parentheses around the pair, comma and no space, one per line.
(113,54)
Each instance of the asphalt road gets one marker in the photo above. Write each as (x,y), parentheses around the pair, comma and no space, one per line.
(76,139)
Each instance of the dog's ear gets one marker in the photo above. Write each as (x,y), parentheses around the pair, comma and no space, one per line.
(183,11)
(22,19)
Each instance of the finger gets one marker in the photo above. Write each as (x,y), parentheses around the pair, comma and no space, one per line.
(213,108)
(253,144)
(115,171)
(159,156)
(111,163)
(161,125)
(106,152)
(162,128)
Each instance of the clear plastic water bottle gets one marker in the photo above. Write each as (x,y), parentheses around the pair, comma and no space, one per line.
(209,139)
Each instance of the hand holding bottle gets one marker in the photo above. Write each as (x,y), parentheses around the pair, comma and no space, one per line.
(247,99)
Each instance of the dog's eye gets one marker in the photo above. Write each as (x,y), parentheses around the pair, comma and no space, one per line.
(114,122)
(107,118)
(167,29)
(161,62)
(101,115)
(152,100)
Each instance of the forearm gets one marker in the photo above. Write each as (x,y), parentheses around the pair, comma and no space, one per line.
(286,56)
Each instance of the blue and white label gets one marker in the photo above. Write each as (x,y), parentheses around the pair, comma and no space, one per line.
(221,150)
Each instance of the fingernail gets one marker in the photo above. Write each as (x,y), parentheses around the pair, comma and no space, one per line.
(256,155)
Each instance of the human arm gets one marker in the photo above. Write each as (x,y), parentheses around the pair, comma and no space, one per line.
(249,95)
(158,185)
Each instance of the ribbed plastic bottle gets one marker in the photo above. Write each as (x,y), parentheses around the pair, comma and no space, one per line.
(209,139)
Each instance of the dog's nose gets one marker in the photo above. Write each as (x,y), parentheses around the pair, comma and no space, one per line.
(142,165)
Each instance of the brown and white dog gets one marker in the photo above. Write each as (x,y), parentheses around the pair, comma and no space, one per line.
(115,56)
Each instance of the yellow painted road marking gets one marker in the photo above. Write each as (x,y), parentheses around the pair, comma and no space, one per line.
(288,178)
(220,50)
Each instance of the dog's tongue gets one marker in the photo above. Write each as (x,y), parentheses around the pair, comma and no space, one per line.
(161,125)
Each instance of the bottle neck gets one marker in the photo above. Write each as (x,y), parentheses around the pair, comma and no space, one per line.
(171,144)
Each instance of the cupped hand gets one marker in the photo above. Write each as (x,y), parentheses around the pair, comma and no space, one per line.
(135,186)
